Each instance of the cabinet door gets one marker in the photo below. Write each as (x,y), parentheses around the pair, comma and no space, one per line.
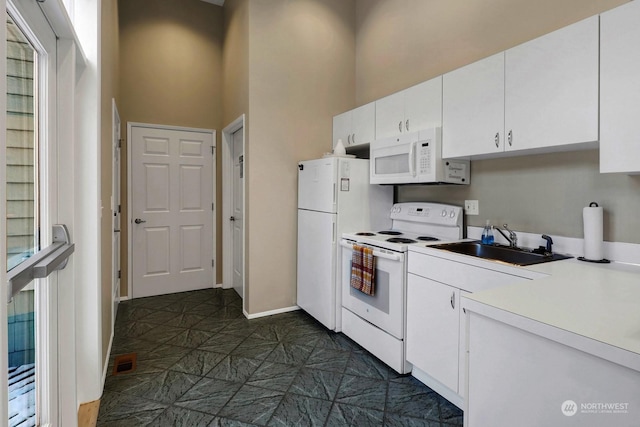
(423,105)
(551,89)
(619,89)
(342,128)
(390,115)
(363,126)
(433,329)
(462,345)
(473,109)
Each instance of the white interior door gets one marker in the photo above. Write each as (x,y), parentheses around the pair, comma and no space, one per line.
(171,214)
(115,209)
(237,220)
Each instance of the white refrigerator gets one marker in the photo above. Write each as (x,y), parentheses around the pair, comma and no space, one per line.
(334,196)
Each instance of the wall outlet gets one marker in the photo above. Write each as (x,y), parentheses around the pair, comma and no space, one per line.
(471,207)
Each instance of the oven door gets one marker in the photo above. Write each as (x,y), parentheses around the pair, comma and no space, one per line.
(385,309)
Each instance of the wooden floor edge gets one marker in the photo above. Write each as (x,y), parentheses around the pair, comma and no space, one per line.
(88,414)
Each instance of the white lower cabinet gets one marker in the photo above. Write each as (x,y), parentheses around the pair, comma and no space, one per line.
(433,324)
(519,378)
(436,323)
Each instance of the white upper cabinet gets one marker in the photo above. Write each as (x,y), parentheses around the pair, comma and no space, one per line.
(620,89)
(473,109)
(538,97)
(355,127)
(551,89)
(416,108)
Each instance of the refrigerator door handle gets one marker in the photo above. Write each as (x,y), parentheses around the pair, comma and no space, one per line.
(334,232)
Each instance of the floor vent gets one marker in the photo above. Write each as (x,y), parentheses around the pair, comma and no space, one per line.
(124,364)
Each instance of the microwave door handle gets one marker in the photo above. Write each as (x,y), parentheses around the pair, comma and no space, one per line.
(412,159)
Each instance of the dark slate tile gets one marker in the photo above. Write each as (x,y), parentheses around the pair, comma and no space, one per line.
(185,320)
(152,303)
(198,362)
(123,411)
(235,368)
(252,404)
(131,314)
(124,345)
(309,339)
(180,306)
(159,317)
(316,383)
(296,410)
(271,332)
(222,343)
(275,376)
(241,327)
(230,296)
(413,400)
(210,324)
(191,338)
(328,359)
(397,420)
(134,329)
(162,356)
(254,348)
(228,422)
(365,365)
(228,313)
(129,383)
(364,392)
(346,415)
(292,354)
(165,387)
(160,333)
(449,412)
(207,309)
(208,395)
(337,341)
(180,417)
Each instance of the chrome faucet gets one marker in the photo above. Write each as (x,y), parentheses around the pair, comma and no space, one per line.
(512,238)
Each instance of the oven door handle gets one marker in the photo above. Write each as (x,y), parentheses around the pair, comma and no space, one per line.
(392,257)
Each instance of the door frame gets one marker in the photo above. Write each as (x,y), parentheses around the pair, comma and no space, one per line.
(227,205)
(116,188)
(129,215)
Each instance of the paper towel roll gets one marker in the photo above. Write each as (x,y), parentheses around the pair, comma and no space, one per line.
(593,233)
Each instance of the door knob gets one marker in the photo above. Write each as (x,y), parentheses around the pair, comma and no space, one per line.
(139,221)
(232,219)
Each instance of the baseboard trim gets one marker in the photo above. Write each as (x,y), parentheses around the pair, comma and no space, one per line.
(270,312)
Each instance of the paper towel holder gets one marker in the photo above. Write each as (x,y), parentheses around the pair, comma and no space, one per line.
(597,261)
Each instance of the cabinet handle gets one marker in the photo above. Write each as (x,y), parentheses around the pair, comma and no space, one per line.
(510,138)
(497,139)
(453,300)
(400,126)
(353,138)
(406,125)
(349,139)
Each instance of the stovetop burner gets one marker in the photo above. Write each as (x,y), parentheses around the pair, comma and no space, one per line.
(428,239)
(400,240)
(365,234)
(390,233)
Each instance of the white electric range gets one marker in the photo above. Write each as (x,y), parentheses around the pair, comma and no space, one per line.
(378,322)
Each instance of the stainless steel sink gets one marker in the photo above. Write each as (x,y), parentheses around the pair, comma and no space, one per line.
(495,252)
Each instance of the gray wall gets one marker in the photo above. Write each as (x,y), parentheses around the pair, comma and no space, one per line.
(544,194)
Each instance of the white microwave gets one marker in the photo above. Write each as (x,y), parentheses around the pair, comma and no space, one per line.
(414,158)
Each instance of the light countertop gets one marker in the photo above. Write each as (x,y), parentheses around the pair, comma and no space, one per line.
(592,307)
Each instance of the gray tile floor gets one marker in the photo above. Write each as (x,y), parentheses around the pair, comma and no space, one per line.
(200,362)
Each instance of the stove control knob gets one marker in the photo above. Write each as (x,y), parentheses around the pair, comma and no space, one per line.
(452,214)
(444,213)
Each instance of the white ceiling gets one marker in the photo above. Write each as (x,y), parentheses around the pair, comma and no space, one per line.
(216,2)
